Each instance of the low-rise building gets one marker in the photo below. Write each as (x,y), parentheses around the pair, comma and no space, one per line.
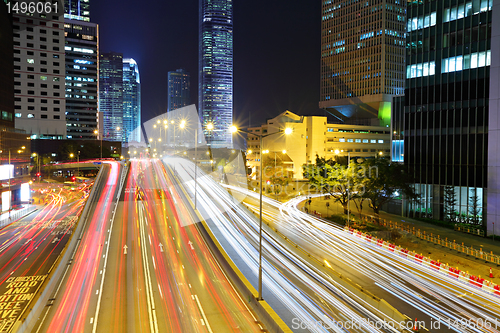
(311,136)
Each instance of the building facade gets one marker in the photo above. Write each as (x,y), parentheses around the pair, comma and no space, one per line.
(312,136)
(39,75)
(131,101)
(447,120)
(111,95)
(81,81)
(362,57)
(6,68)
(179,89)
(77,10)
(215,84)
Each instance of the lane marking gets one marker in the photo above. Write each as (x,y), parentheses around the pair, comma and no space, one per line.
(203,314)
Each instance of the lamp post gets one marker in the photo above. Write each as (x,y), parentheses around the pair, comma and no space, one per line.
(96,132)
(348,189)
(209,127)
(287,131)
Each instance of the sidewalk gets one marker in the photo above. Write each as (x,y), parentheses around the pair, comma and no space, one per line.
(436,252)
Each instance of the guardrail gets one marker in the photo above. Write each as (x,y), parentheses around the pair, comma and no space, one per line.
(445,269)
(469,230)
(15,215)
(436,239)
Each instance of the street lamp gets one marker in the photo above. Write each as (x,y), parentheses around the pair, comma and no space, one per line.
(96,132)
(287,131)
(209,127)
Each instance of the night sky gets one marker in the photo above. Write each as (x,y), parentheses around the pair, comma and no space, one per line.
(276,51)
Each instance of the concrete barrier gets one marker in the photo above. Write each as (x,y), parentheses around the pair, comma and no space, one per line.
(49,286)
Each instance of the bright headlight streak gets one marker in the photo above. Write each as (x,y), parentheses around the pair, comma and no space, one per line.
(229,211)
(385,261)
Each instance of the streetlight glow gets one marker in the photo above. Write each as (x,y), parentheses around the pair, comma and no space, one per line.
(233,129)
(288,130)
(210,126)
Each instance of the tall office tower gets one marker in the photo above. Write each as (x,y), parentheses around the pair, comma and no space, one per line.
(39,75)
(81,79)
(448,119)
(6,68)
(215,84)
(111,95)
(131,101)
(362,58)
(179,83)
(77,10)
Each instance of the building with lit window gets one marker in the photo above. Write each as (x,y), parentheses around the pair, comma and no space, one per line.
(447,120)
(39,75)
(6,68)
(179,84)
(77,10)
(362,58)
(131,101)
(215,83)
(81,82)
(313,135)
(111,95)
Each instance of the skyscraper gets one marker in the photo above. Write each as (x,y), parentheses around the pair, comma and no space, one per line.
(6,68)
(111,95)
(215,84)
(77,10)
(39,75)
(131,101)
(448,117)
(179,82)
(362,57)
(81,50)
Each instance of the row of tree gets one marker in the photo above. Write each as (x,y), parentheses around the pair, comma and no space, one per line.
(375,181)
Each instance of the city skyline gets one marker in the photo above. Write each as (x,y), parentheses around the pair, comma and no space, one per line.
(292,82)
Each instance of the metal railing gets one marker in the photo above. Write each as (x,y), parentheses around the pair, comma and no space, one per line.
(5,219)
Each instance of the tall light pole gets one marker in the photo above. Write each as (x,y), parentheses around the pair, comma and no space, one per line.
(209,127)
(287,131)
(96,132)
(348,189)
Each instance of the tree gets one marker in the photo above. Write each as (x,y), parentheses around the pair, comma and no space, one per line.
(332,178)
(450,200)
(474,210)
(383,180)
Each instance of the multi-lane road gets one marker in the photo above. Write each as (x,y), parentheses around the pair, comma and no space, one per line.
(29,249)
(141,264)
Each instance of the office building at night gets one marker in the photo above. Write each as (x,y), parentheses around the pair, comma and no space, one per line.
(179,84)
(81,81)
(362,58)
(313,135)
(131,101)
(77,10)
(6,68)
(447,122)
(111,95)
(39,75)
(215,84)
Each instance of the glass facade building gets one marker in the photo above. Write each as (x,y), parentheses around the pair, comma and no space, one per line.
(77,10)
(179,83)
(215,88)
(362,57)
(443,118)
(131,101)
(81,81)
(111,95)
